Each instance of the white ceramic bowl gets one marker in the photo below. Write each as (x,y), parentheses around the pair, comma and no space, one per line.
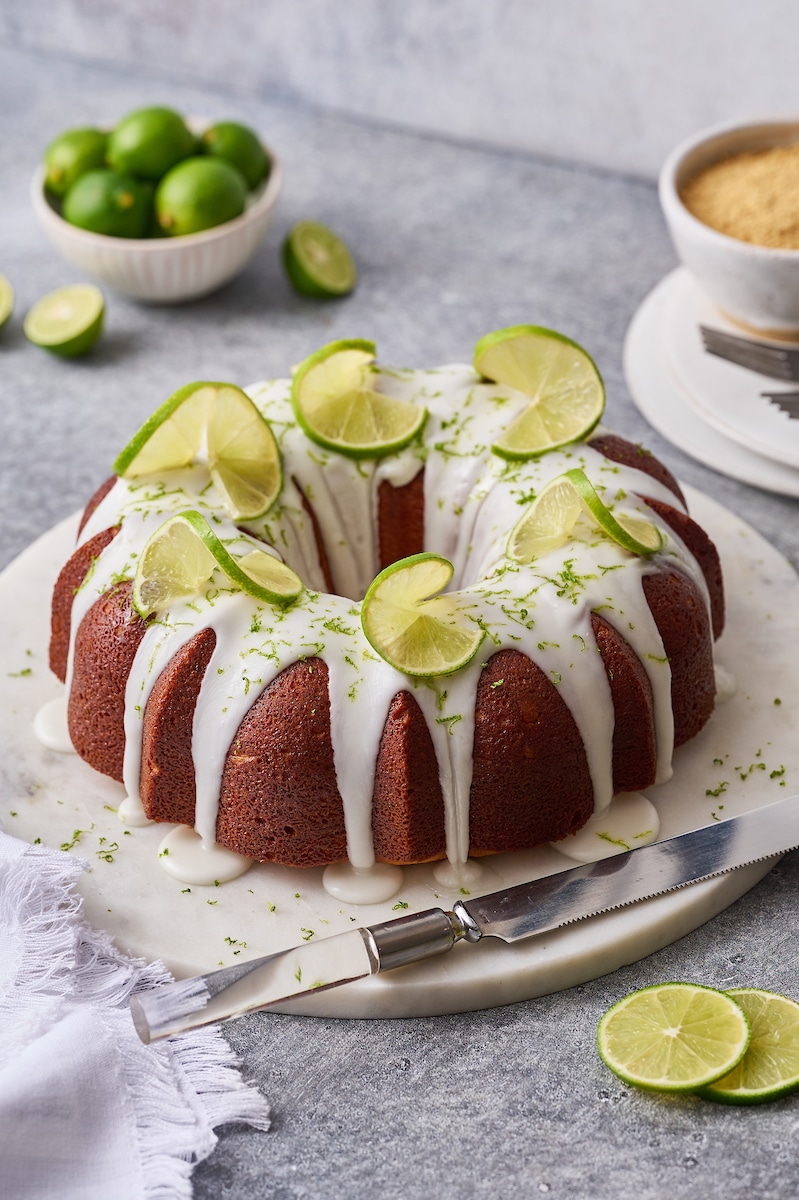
(754,285)
(164,270)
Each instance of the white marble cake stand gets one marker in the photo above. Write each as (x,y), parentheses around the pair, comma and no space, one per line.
(50,796)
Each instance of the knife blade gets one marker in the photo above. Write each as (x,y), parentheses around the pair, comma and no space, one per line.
(511,914)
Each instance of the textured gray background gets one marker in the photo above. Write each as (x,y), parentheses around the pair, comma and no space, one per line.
(452,240)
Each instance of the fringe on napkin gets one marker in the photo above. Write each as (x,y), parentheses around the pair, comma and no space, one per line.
(180,1089)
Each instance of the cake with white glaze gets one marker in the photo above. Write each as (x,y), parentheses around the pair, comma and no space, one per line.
(280,734)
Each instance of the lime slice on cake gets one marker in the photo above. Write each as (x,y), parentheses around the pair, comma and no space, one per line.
(551,517)
(243,457)
(770,1067)
(180,558)
(318,262)
(413,628)
(566,390)
(67,322)
(673,1037)
(6,300)
(336,405)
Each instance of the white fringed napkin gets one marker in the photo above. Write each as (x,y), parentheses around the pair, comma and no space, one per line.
(87,1111)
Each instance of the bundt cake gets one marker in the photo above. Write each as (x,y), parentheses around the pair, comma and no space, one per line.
(279,732)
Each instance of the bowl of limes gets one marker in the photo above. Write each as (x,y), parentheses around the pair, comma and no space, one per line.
(160,207)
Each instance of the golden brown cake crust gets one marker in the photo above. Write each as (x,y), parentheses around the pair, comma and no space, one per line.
(408,805)
(72,577)
(105,647)
(167,786)
(628,454)
(531,781)
(634,746)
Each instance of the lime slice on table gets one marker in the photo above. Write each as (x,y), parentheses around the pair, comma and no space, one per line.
(181,556)
(243,457)
(413,628)
(318,262)
(67,322)
(551,517)
(770,1067)
(6,300)
(336,405)
(566,390)
(673,1037)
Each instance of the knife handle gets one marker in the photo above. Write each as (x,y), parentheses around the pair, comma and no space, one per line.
(415,937)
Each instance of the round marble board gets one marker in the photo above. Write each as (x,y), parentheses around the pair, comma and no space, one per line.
(748,755)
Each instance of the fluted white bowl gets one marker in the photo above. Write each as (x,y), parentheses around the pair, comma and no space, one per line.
(755,285)
(164,270)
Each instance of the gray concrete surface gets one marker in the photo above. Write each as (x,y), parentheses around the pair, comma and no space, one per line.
(451,242)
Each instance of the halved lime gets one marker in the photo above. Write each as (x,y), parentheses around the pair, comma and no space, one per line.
(6,300)
(568,395)
(770,1067)
(181,556)
(243,457)
(67,322)
(413,628)
(336,405)
(551,517)
(318,262)
(673,1037)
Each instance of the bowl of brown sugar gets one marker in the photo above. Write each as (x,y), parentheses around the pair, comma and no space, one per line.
(730,196)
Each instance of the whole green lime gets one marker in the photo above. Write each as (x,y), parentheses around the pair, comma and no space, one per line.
(238,145)
(149,141)
(71,155)
(198,194)
(109,202)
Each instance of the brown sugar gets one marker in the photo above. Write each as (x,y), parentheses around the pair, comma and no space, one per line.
(752,196)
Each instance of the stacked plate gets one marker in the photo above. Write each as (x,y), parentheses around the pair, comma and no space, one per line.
(724,415)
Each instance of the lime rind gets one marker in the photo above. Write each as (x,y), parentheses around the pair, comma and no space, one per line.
(338,409)
(549,521)
(567,391)
(243,456)
(6,300)
(68,321)
(770,1067)
(179,560)
(673,1037)
(318,262)
(415,630)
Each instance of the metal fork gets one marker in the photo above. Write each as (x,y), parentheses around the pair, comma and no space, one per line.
(775,361)
(787,402)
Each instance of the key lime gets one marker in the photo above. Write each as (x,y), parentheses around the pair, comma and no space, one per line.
(109,202)
(239,146)
(180,558)
(71,155)
(318,262)
(673,1037)
(770,1067)
(336,404)
(413,628)
(566,389)
(221,419)
(6,300)
(551,517)
(149,141)
(198,194)
(67,322)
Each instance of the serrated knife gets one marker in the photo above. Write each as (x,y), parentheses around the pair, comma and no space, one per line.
(511,914)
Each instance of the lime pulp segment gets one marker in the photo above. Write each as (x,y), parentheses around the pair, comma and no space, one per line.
(566,390)
(221,420)
(67,322)
(415,630)
(337,406)
(770,1067)
(179,560)
(318,262)
(673,1037)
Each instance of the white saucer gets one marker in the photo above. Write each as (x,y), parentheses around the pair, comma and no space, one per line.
(665,400)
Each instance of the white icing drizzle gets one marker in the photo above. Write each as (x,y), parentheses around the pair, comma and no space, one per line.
(50,726)
(472,501)
(359,885)
(185,856)
(630,821)
(726,684)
